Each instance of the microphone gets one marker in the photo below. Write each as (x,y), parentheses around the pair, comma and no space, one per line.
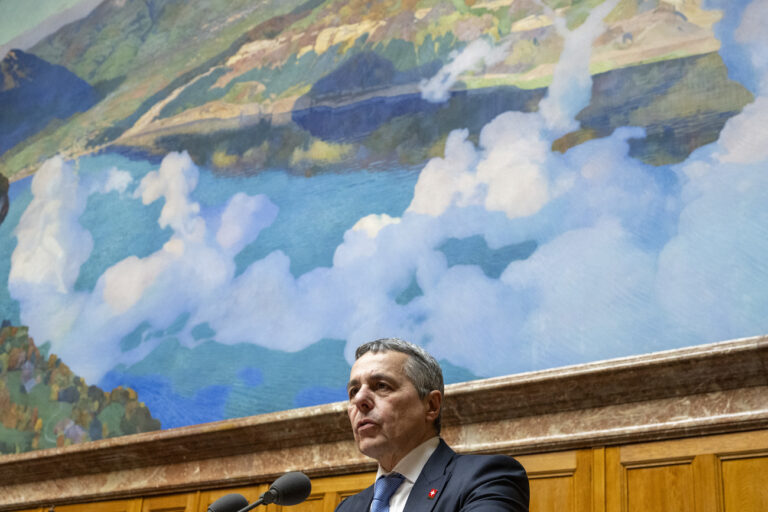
(290,489)
(228,503)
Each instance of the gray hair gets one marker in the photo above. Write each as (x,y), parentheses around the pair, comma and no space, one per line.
(421,368)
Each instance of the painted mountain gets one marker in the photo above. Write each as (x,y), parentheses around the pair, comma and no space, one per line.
(318,85)
(34,93)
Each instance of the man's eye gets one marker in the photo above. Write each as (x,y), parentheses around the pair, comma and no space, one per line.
(352,392)
(382,385)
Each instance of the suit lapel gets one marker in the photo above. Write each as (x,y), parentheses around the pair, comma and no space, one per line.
(361,500)
(428,487)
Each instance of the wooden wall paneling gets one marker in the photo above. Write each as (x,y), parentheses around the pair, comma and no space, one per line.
(744,471)
(333,489)
(314,503)
(661,487)
(187,502)
(552,480)
(719,473)
(708,483)
(734,445)
(598,480)
(615,481)
(657,476)
(133,505)
(583,480)
(745,483)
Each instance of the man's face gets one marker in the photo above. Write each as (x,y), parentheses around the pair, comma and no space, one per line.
(388,418)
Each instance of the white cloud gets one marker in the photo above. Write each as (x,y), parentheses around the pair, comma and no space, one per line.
(244,217)
(192,266)
(507,173)
(448,180)
(624,263)
(50,248)
(117,180)
(592,294)
(126,282)
(743,137)
(475,56)
(175,179)
(752,34)
(51,245)
(372,224)
(713,277)
(513,167)
(571,86)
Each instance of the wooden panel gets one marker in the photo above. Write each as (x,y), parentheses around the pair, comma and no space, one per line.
(707,481)
(701,474)
(615,477)
(174,503)
(723,445)
(552,494)
(660,489)
(721,473)
(334,489)
(315,503)
(103,506)
(559,481)
(598,481)
(745,483)
(549,464)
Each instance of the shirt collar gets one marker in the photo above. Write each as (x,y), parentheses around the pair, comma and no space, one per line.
(411,465)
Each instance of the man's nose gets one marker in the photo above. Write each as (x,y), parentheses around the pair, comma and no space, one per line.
(363,399)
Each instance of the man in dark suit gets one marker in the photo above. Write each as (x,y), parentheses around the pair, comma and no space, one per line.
(395,398)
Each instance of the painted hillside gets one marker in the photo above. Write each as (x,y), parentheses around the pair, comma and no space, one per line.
(35,93)
(326,84)
(44,405)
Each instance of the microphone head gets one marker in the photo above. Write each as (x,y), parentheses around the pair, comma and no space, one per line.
(290,489)
(228,503)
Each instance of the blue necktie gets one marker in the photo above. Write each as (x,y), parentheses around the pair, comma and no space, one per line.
(383,490)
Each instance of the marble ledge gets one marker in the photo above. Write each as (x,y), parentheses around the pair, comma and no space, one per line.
(708,389)
(710,413)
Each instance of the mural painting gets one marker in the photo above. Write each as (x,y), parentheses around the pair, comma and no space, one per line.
(206,206)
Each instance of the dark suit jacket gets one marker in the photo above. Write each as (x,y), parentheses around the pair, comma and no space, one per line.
(487,483)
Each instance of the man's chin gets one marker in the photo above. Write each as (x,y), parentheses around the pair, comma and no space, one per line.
(370,447)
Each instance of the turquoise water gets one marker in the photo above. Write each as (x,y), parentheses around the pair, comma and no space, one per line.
(211,381)
(617,263)
(314,212)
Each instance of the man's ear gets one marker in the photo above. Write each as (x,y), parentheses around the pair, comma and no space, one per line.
(433,402)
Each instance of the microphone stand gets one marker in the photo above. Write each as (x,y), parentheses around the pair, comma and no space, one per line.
(290,489)
(253,505)
(265,499)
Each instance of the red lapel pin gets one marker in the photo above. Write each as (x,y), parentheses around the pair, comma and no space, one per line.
(432,493)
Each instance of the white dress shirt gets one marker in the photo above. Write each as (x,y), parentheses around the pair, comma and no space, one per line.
(410,467)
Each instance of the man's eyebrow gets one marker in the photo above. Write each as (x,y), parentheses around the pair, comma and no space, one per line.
(376,376)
